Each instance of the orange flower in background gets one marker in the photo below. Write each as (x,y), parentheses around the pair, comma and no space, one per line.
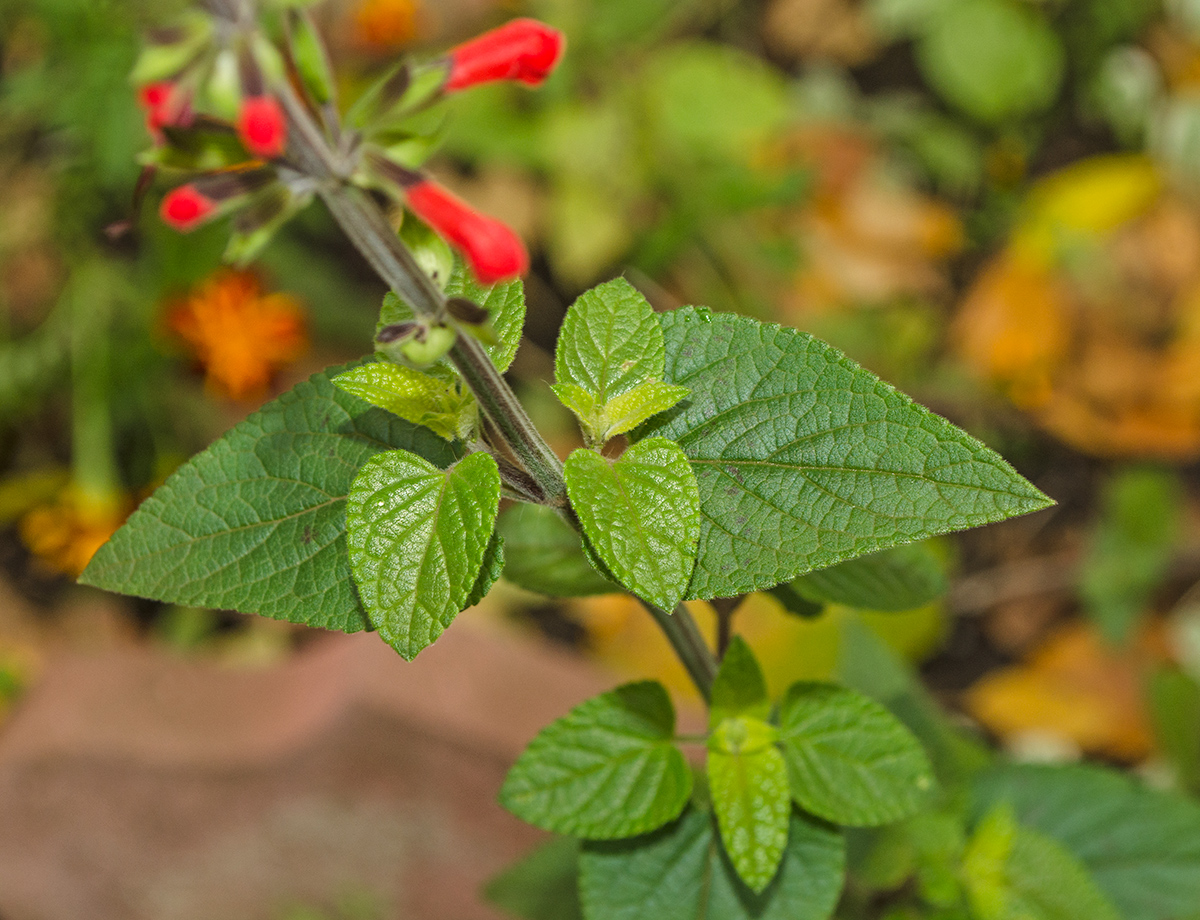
(65,533)
(866,239)
(1090,318)
(384,25)
(239,334)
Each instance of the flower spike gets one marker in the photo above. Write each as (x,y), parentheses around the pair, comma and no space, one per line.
(524,50)
(262,127)
(185,208)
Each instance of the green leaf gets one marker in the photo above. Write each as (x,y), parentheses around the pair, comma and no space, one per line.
(849,760)
(1130,548)
(748,781)
(610,342)
(739,689)
(543,886)
(1174,700)
(418,537)
(442,405)
(681,873)
(994,59)
(505,304)
(545,555)
(1013,873)
(633,407)
(256,522)
(641,514)
(608,769)
(805,460)
(489,572)
(900,578)
(1141,846)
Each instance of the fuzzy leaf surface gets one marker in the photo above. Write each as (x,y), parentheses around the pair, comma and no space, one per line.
(901,578)
(546,556)
(610,341)
(748,780)
(849,760)
(442,405)
(804,459)
(641,514)
(256,522)
(607,769)
(418,537)
(681,872)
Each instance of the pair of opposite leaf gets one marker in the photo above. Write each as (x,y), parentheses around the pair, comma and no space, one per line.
(611,768)
(639,512)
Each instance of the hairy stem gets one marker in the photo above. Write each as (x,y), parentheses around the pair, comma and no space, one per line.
(362,220)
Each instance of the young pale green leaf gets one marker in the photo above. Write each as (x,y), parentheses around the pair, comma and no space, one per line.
(1141,846)
(805,460)
(610,341)
(740,689)
(641,514)
(682,873)
(505,304)
(256,522)
(543,886)
(1013,873)
(748,781)
(579,401)
(627,410)
(545,555)
(900,578)
(418,538)
(442,405)
(848,759)
(608,769)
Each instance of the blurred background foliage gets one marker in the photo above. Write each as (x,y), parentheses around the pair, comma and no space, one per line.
(994,204)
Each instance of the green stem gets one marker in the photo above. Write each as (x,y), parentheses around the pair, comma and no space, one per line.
(368,229)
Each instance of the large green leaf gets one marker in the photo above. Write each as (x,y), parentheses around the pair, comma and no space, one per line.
(418,537)
(901,578)
(610,341)
(804,459)
(256,522)
(641,513)
(682,873)
(545,555)
(1014,873)
(748,781)
(608,769)
(1141,846)
(849,759)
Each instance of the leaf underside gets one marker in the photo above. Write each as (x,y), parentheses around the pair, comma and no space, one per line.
(804,459)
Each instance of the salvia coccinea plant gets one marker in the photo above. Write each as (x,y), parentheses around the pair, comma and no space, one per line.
(370,496)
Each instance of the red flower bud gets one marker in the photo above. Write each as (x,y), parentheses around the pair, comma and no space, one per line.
(261,127)
(166,105)
(185,209)
(524,49)
(491,249)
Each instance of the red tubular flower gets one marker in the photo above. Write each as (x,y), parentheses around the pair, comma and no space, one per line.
(166,105)
(524,50)
(185,209)
(491,249)
(262,127)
